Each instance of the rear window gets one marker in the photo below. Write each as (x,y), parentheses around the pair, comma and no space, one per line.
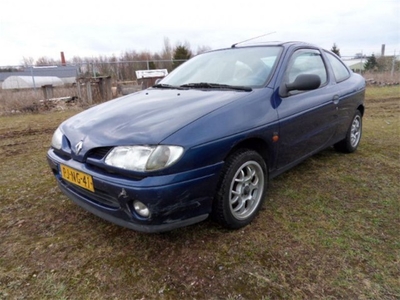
(339,69)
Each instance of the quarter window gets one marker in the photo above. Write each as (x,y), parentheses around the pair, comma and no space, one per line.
(339,70)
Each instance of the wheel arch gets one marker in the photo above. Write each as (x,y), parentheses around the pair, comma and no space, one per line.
(361,108)
(256,144)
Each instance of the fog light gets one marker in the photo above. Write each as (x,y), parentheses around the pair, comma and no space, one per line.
(141,209)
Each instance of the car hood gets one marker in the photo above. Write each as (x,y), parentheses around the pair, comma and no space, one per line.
(146,117)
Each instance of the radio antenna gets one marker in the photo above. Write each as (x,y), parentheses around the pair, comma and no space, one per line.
(257,37)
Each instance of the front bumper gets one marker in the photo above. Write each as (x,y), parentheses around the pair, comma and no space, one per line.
(174,201)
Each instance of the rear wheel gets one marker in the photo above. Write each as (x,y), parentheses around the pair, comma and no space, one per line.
(241,189)
(353,136)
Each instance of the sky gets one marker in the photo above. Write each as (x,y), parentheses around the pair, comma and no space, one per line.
(88,28)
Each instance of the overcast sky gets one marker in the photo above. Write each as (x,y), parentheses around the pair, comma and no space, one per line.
(89,28)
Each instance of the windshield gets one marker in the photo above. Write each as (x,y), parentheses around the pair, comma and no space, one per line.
(245,67)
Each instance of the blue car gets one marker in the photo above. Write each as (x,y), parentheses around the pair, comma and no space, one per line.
(205,140)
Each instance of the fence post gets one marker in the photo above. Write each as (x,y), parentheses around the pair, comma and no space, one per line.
(47,91)
(105,88)
(393,64)
(89,92)
(78,86)
(33,79)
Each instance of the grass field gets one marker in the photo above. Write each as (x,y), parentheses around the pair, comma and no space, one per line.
(328,230)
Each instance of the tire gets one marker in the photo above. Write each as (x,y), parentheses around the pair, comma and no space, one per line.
(241,189)
(353,136)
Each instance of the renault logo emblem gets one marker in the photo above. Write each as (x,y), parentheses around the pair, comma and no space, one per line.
(78,147)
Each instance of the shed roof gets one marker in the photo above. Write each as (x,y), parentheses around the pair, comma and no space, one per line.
(58,71)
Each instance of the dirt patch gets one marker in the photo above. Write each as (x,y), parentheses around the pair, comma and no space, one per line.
(26,132)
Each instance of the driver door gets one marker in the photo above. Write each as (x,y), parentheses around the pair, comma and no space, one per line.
(306,117)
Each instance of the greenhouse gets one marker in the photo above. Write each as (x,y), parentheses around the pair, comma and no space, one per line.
(30,82)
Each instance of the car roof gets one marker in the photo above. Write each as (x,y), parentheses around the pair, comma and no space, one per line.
(272,43)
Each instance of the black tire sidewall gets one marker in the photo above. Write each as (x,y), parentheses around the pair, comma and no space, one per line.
(223,214)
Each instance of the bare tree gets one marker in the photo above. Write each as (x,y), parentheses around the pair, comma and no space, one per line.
(167,51)
(123,67)
(202,49)
(27,61)
(46,61)
(166,55)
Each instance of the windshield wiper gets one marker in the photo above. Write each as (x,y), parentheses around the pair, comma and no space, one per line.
(207,85)
(168,86)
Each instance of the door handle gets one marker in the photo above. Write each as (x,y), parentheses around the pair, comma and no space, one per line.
(335,99)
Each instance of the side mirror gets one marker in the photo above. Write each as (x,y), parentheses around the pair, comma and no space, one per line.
(303,82)
(158,80)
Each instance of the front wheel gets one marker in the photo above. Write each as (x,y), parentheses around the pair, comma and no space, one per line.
(241,189)
(353,136)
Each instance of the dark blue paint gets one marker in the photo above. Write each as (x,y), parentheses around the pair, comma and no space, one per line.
(209,124)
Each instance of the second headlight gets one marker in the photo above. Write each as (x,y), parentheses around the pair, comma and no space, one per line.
(143,158)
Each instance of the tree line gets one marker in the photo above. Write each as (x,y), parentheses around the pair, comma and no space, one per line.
(123,66)
(382,63)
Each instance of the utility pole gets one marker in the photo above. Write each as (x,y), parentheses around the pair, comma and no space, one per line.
(33,79)
(393,64)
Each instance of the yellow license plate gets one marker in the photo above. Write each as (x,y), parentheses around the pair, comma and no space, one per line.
(76,177)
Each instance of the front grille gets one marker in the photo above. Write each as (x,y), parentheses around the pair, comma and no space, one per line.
(99,153)
(63,155)
(98,196)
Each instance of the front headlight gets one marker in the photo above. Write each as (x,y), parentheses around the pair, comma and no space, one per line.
(143,158)
(56,141)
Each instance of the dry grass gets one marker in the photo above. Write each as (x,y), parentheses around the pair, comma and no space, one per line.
(383,77)
(27,100)
(329,229)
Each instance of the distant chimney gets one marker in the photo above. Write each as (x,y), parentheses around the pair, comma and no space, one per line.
(383,50)
(63,63)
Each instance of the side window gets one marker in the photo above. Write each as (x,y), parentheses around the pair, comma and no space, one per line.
(339,70)
(306,61)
